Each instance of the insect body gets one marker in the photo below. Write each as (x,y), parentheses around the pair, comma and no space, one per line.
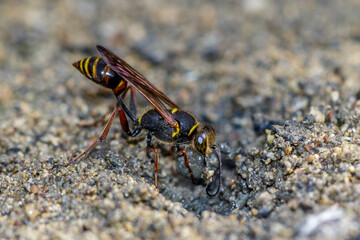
(171,126)
(201,137)
(153,122)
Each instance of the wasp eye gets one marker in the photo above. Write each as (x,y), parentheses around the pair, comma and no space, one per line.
(201,143)
(204,138)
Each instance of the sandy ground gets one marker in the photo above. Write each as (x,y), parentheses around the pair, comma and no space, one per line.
(278,81)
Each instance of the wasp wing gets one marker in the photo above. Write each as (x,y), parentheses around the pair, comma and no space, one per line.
(140,83)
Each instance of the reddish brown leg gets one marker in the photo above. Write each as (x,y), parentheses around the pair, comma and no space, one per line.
(156,169)
(183,152)
(122,115)
(124,122)
(99,140)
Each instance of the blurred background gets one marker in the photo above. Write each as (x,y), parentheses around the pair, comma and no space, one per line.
(241,66)
(229,63)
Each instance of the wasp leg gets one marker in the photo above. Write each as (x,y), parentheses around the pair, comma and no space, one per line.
(156,151)
(123,120)
(183,152)
(124,107)
(156,168)
(102,118)
(96,142)
(125,125)
(122,114)
(132,99)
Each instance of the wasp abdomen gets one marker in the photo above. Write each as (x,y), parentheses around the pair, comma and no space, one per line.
(95,69)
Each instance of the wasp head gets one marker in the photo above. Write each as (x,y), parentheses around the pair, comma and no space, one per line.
(204,139)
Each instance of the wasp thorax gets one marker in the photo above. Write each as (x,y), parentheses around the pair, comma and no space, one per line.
(204,139)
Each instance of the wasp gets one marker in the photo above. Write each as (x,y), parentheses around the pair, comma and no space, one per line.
(166,121)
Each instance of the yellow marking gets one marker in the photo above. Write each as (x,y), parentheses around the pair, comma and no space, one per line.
(86,67)
(139,120)
(81,66)
(120,83)
(105,75)
(174,110)
(94,69)
(176,132)
(193,128)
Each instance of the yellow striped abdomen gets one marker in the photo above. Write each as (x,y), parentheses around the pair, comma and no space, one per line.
(95,69)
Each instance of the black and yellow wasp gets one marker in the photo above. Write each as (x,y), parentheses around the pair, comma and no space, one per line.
(166,121)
